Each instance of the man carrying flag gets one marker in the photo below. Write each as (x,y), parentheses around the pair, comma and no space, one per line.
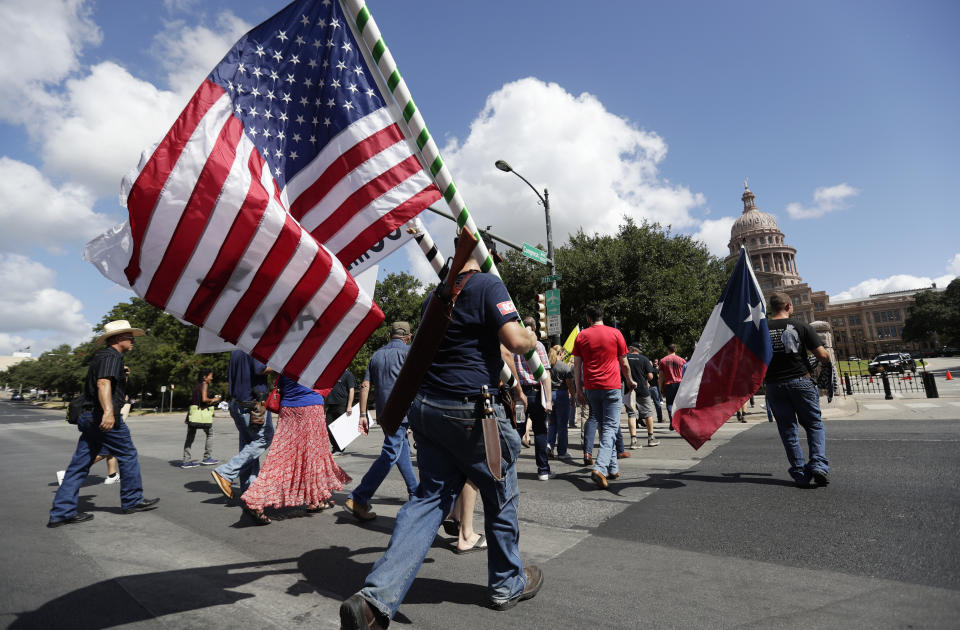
(792,395)
(730,359)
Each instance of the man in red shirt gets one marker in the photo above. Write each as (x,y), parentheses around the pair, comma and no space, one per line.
(671,371)
(600,362)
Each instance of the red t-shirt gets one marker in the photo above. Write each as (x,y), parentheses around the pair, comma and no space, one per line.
(600,347)
(671,366)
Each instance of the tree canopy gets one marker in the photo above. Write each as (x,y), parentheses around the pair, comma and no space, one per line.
(935,314)
(658,287)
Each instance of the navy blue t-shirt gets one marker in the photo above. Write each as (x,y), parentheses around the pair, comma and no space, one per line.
(245,376)
(469,355)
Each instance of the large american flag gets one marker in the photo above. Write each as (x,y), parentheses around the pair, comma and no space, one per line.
(285,166)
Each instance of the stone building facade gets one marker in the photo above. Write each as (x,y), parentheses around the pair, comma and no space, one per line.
(861,327)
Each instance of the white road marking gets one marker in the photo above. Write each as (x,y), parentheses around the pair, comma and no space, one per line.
(921,405)
(879,407)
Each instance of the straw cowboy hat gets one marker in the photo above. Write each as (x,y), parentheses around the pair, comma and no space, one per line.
(118,327)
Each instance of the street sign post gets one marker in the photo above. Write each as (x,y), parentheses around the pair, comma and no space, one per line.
(553,301)
(550,279)
(553,324)
(534,254)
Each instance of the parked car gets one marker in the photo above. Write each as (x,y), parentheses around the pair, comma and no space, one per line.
(857,359)
(16,397)
(892,362)
(947,351)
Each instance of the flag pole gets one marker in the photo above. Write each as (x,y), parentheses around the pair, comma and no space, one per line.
(367,32)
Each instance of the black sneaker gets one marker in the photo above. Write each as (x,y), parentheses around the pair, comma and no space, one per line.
(143,506)
(534,581)
(79,517)
(820,478)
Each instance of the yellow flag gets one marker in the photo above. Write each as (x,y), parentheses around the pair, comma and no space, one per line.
(568,344)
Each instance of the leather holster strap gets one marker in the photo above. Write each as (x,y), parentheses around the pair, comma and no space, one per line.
(491,444)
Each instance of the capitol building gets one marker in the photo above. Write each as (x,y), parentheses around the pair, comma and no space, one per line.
(861,327)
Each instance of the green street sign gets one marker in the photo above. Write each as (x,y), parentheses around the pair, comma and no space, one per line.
(549,279)
(534,253)
(553,301)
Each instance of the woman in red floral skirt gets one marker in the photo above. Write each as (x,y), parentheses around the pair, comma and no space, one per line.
(299,469)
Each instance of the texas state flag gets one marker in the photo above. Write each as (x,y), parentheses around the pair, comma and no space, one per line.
(730,361)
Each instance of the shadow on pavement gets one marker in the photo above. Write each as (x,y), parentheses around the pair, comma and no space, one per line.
(114,603)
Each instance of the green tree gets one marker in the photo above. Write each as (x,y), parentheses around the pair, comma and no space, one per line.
(935,315)
(399,296)
(660,288)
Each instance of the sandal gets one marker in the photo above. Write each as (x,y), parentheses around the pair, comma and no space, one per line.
(323,505)
(480,545)
(257,515)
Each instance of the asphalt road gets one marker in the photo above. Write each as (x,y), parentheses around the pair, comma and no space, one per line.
(686,539)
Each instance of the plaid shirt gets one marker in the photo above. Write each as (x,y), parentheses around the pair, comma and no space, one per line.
(523,370)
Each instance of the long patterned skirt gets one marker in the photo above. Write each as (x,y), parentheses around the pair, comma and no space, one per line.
(299,469)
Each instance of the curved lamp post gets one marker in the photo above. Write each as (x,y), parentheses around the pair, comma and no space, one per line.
(545,199)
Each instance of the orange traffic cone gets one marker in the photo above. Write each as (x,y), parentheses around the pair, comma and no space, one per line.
(949,376)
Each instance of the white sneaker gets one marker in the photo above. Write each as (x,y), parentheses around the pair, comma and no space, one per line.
(546,476)
(652,441)
(60,474)
(112,479)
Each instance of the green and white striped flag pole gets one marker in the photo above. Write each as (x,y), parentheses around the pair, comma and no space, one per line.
(365,28)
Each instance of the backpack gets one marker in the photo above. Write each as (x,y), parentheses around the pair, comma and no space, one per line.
(75,408)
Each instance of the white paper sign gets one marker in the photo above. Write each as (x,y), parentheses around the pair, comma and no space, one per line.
(345,429)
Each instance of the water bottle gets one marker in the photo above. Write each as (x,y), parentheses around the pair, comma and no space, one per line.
(518,413)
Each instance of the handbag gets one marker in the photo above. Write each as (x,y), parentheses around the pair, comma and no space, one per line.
(273,400)
(200,417)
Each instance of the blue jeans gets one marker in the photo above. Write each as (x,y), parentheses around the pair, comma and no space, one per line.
(396,450)
(254,440)
(798,402)
(657,399)
(606,404)
(449,451)
(116,442)
(590,430)
(561,415)
(538,424)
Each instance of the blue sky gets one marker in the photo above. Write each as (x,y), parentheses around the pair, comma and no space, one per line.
(842,114)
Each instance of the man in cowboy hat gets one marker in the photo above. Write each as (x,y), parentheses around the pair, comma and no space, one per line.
(102,428)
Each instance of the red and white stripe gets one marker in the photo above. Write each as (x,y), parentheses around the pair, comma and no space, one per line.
(214,246)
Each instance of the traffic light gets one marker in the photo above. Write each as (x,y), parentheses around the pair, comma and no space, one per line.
(542,314)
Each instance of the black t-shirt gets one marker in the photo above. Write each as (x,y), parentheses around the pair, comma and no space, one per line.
(469,355)
(791,340)
(640,366)
(341,391)
(106,363)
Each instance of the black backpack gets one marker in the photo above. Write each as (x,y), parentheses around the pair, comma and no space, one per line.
(75,408)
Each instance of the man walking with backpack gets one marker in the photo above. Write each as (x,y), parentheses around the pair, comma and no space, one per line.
(102,428)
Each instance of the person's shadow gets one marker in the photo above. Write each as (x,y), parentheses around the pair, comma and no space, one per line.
(109,603)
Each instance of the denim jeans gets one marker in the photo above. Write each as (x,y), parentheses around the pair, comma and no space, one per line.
(254,440)
(561,415)
(606,404)
(396,450)
(538,423)
(590,431)
(449,451)
(117,442)
(657,399)
(798,402)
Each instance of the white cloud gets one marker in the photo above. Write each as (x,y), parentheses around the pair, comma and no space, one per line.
(35,212)
(953,265)
(42,41)
(189,53)
(599,167)
(826,199)
(109,118)
(715,233)
(32,312)
(899,282)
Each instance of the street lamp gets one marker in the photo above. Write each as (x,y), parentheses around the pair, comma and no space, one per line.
(545,199)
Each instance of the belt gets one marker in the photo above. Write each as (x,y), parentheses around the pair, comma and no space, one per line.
(534,388)
(473,398)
